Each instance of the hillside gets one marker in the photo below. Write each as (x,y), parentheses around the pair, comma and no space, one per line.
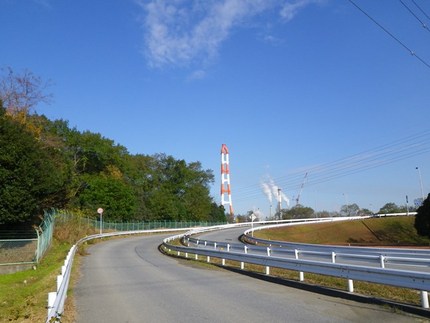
(396,231)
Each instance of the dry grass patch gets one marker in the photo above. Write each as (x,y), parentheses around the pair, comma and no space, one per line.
(396,231)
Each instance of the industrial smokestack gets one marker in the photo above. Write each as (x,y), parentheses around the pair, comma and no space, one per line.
(279,203)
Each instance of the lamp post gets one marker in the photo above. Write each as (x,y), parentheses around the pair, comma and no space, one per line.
(253,217)
(100,211)
(407,205)
(421,183)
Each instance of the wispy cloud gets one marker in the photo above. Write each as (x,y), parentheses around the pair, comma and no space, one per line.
(291,8)
(191,32)
(44,3)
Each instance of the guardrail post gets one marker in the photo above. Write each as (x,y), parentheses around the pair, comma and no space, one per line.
(51,300)
(214,245)
(59,281)
(382,261)
(228,250)
(333,257)
(350,285)
(424,299)
(267,267)
(242,264)
(301,274)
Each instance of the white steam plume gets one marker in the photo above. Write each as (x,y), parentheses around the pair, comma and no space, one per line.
(271,190)
(267,191)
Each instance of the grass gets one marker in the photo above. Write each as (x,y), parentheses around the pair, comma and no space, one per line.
(23,295)
(395,231)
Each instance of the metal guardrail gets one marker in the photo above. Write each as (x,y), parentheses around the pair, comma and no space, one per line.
(271,256)
(400,278)
(56,299)
(391,256)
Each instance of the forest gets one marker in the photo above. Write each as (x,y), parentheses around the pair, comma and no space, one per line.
(48,164)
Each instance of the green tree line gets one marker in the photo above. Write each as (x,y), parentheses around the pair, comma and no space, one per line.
(48,164)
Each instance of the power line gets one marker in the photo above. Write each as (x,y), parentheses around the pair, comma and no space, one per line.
(416,17)
(391,35)
(424,13)
(398,150)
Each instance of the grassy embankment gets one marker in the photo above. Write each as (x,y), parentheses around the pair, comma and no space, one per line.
(395,231)
(24,295)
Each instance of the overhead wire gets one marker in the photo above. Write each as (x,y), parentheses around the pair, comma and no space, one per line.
(390,34)
(424,13)
(424,25)
(401,149)
(398,150)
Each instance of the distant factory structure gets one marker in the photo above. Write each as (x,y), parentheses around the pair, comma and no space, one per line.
(225,179)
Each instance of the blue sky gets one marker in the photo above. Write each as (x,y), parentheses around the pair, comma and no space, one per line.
(291,87)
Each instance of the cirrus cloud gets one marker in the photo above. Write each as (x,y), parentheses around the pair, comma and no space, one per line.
(185,32)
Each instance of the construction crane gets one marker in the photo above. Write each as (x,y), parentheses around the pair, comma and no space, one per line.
(301,189)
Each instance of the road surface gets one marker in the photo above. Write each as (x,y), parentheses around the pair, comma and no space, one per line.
(129,280)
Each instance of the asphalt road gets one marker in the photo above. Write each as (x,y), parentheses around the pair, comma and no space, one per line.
(128,280)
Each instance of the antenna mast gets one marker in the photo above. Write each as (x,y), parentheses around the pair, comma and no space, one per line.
(225,179)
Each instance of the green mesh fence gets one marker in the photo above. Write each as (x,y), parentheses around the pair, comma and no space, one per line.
(31,250)
(45,231)
(151,225)
(133,226)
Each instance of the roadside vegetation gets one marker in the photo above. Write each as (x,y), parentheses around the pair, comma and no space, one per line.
(386,231)
(49,164)
(24,295)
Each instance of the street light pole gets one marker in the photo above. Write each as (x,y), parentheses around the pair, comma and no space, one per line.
(421,182)
(100,211)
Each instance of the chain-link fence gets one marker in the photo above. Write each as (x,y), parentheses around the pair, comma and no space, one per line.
(28,247)
(151,225)
(45,232)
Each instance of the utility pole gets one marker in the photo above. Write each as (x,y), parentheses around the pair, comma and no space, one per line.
(421,183)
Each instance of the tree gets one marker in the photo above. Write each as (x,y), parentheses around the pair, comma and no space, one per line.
(298,212)
(111,194)
(422,218)
(391,208)
(29,179)
(364,212)
(20,93)
(174,190)
(217,213)
(350,210)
